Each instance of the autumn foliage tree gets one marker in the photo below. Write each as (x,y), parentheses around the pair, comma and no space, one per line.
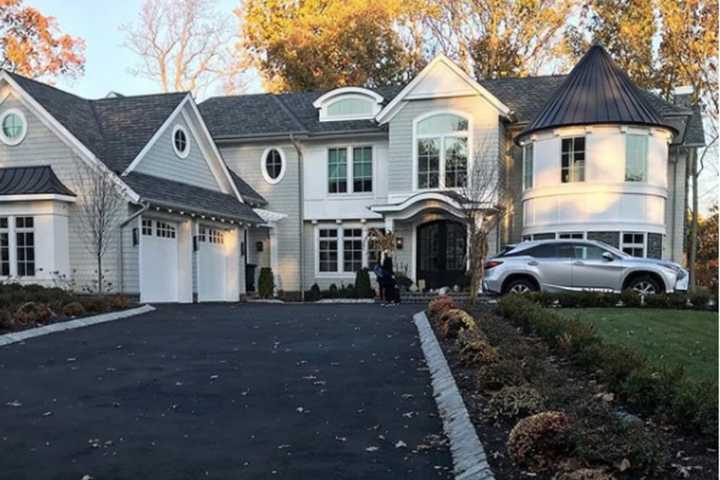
(323,44)
(33,45)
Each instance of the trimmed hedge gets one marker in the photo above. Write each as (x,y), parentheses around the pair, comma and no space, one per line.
(646,388)
(695,299)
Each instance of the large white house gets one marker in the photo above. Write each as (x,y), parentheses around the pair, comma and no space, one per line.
(295,182)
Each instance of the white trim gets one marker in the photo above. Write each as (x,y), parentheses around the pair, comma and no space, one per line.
(389,111)
(349,171)
(13,141)
(340,274)
(420,197)
(155,137)
(346,90)
(64,134)
(325,116)
(182,154)
(37,196)
(283,165)
(468,134)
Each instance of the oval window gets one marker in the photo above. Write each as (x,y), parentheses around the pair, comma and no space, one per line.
(181,143)
(273,165)
(12,127)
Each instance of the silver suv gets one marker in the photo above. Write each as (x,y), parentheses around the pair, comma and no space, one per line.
(578,265)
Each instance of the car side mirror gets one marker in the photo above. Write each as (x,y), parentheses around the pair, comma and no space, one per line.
(607,256)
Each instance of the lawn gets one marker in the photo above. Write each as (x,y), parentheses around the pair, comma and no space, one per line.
(666,337)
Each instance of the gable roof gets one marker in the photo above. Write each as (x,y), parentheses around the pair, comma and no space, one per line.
(596,91)
(248,194)
(31,181)
(114,129)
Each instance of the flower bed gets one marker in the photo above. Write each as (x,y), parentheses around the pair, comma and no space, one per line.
(536,409)
(29,306)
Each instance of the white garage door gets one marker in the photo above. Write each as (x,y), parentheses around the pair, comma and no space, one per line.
(211,265)
(159,263)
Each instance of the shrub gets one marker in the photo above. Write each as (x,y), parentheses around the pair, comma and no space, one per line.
(119,301)
(476,353)
(95,303)
(440,305)
(677,300)
(699,297)
(455,320)
(503,373)
(586,474)
(647,388)
(630,298)
(513,401)
(332,291)
(539,441)
(6,319)
(266,283)
(30,313)
(694,407)
(314,294)
(616,362)
(577,337)
(659,300)
(363,288)
(73,309)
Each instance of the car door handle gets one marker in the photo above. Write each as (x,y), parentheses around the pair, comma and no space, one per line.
(579,263)
(533,263)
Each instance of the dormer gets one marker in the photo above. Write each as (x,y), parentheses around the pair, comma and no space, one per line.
(348,103)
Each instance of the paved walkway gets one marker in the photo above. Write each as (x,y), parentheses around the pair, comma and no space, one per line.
(223,391)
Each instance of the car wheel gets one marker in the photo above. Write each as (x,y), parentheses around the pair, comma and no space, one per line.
(645,285)
(520,287)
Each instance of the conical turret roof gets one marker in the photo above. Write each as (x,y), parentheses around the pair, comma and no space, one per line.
(596,91)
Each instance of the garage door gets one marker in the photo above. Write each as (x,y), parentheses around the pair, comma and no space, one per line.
(159,263)
(211,265)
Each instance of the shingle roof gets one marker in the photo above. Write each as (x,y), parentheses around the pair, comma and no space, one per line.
(248,194)
(168,193)
(269,114)
(596,91)
(113,129)
(30,181)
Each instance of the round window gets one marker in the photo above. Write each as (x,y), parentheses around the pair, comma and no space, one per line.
(273,165)
(181,143)
(12,127)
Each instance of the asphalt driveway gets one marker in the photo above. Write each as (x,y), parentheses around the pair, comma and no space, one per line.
(224,391)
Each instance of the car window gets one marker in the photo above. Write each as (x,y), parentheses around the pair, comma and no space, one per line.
(542,251)
(588,252)
(566,250)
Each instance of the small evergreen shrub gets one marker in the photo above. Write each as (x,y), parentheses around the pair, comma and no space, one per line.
(694,407)
(73,309)
(363,288)
(648,389)
(699,297)
(333,291)
(6,319)
(538,442)
(503,373)
(314,294)
(266,283)
(513,401)
(630,298)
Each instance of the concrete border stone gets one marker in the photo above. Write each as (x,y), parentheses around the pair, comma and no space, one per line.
(468,454)
(10,338)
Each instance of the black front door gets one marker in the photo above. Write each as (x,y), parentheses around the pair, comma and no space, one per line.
(441,253)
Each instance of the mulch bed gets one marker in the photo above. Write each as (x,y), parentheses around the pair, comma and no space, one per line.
(658,450)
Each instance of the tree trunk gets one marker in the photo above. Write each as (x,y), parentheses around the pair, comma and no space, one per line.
(99,274)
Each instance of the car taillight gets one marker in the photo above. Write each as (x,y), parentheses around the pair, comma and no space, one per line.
(492,264)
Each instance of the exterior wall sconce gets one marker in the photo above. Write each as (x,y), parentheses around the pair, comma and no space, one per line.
(399,242)
(259,246)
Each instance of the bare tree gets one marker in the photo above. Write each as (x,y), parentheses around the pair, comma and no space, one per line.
(484,204)
(100,206)
(186,45)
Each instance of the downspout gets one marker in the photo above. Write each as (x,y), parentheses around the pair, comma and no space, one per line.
(673,222)
(122,249)
(301,206)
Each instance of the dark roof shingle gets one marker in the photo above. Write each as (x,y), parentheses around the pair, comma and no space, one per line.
(168,193)
(31,181)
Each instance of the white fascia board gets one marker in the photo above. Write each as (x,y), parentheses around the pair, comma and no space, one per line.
(76,145)
(138,158)
(29,197)
(390,109)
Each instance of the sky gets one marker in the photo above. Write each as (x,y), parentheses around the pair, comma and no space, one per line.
(107,61)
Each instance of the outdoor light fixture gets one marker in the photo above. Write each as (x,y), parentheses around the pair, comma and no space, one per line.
(399,243)
(259,246)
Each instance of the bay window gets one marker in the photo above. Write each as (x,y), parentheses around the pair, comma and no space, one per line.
(636,151)
(25,246)
(442,142)
(633,243)
(4,247)
(527,166)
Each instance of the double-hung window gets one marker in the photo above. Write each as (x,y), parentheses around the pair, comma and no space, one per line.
(527,166)
(352,249)
(573,160)
(374,249)
(350,169)
(4,247)
(337,170)
(636,152)
(442,151)
(328,250)
(25,246)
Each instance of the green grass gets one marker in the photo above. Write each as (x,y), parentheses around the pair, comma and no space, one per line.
(667,337)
